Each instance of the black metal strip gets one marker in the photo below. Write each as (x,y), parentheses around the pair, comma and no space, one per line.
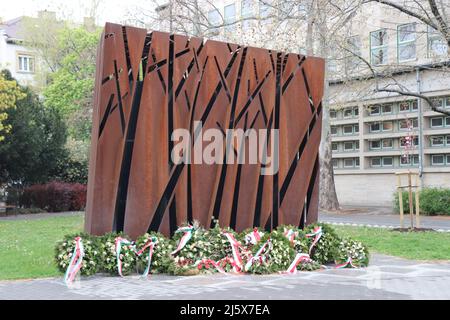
(275,191)
(119,96)
(122,189)
(106,115)
(128,59)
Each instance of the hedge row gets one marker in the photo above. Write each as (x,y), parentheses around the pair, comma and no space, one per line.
(433,201)
(55,196)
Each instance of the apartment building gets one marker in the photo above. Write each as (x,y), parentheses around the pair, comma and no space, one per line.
(376,134)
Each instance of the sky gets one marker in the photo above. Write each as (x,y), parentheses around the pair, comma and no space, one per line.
(75,10)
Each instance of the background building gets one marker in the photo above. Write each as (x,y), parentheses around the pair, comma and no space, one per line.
(370,127)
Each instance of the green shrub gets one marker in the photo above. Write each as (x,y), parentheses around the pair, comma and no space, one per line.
(433,201)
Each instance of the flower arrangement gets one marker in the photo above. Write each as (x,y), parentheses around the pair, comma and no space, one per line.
(163,248)
(193,250)
(65,249)
(325,251)
(276,256)
(356,250)
(109,255)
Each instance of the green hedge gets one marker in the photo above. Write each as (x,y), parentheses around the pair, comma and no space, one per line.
(433,201)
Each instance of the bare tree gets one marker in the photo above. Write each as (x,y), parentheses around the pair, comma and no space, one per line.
(278,25)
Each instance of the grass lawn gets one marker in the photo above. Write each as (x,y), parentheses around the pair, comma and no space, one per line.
(410,245)
(27,247)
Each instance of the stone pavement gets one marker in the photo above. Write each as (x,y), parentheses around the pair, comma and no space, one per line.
(386,278)
(381,217)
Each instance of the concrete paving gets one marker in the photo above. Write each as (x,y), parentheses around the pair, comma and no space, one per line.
(386,278)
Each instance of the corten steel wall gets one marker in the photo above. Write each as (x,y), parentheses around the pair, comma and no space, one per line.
(148,84)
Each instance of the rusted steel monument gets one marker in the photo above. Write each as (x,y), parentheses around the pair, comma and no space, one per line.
(149,84)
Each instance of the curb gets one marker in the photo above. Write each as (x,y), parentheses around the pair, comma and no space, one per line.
(372,225)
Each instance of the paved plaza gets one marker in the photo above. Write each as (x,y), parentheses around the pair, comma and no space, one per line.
(385,278)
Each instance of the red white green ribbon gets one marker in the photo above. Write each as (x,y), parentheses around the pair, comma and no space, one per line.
(235,245)
(185,238)
(151,243)
(207,262)
(118,246)
(253,237)
(290,234)
(257,256)
(317,233)
(299,258)
(75,261)
(224,261)
(347,263)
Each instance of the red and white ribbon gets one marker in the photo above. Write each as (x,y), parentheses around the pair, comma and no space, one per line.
(207,262)
(75,262)
(253,237)
(235,245)
(185,238)
(257,256)
(118,247)
(299,258)
(290,234)
(151,243)
(347,263)
(317,233)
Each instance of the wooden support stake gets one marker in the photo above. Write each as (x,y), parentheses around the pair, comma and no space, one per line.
(417,203)
(410,198)
(400,199)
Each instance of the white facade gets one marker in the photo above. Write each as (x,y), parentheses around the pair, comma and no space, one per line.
(18,59)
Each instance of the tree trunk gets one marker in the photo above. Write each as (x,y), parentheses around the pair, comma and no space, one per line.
(327,192)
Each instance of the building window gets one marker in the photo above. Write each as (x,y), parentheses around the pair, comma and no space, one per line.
(214,18)
(375,144)
(246,12)
(406,37)
(404,106)
(437,122)
(409,141)
(447,142)
(348,130)
(335,163)
(388,126)
(349,163)
(386,109)
(333,130)
(352,61)
(333,114)
(355,111)
(388,161)
(349,146)
(230,17)
(407,124)
(437,45)
(447,121)
(357,162)
(379,47)
(408,160)
(375,162)
(388,144)
(334,146)
(437,159)
(348,113)
(414,105)
(264,8)
(437,141)
(447,102)
(374,110)
(25,63)
(356,128)
(374,127)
